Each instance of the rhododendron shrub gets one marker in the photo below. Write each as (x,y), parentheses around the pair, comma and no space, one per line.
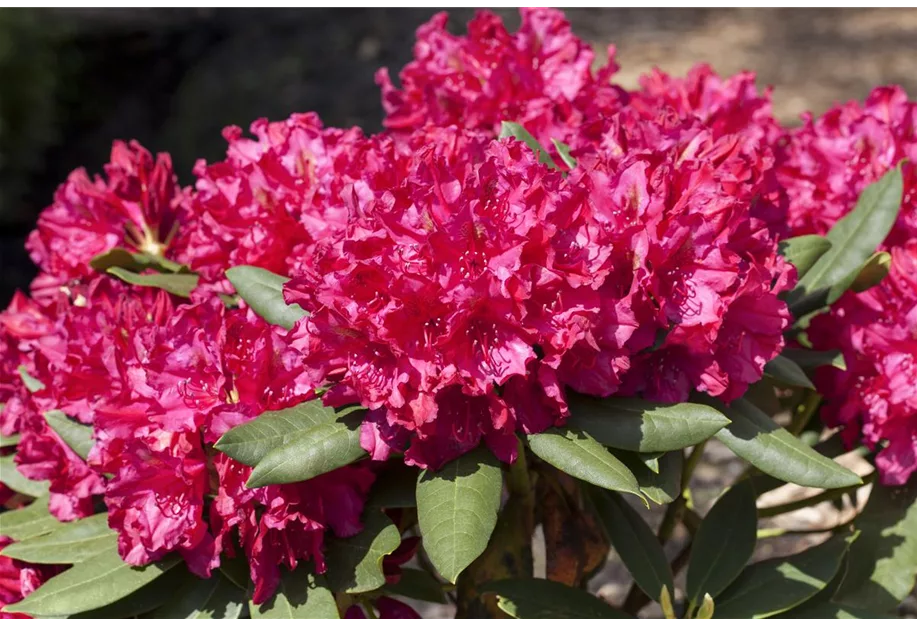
(344,375)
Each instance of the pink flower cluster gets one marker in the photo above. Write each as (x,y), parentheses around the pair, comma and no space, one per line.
(827,163)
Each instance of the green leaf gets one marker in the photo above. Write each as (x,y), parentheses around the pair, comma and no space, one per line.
(582,457)
(650,460)
(809,359)
(564,151)
(15,481)
(77,436)
(633,424)
(883,560)
(756,438)
(853,239)
(214,598)
(146,599)
(311,453)
(541,598)
(178,284)
(29,522)
(871,272)
(263,292)
(135,262)
(723,544)
(786,371)
(457,510)
(836,610)
(517,131)
(395,486)
(417,584)
(355,563)
(661,487)
(804,251)
(70,544)
(31,383)
(8,440)
(776,585)
(250,442)
(706,608)
(301,594)
(94,583)
(635,543)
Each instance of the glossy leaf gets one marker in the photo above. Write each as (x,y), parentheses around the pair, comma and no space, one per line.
(517,131)
(214,598)
(776,585)
(263,292)
(71,543)
(883,560)
(178,284)
(135,262)
(634,424)
(564,151)
(457,510)
(301,594)
(804,251)
(872,272)
(76,435)
(808,359)
(854,238)
(787,371)
(14,480)
(635,543)
(30,521)
(661,487)
(417,584)
(723,544)
(311,453)
(250,442)
(540,598)
(582,457)
(91,584)
(146,599)
(756,438)
(355,563)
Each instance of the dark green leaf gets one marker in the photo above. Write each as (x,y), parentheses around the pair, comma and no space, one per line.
(582,457)
(661,487)
(457,510)
(635,543)
(135,262)
(214,598)
(883,560)
(263,292)
(853,239)
(809,359)
(311,453)
(804,251)
(77,436)
(517,131)
(872,272)
(564,151)
(417,584)
(301,594)
(836,610)
(250,442)
(70,544)
(776,585)
(31,383)
(29,522)
(94,583)
(541,598)
(178,284)
(355,563)
(15,481)
(723,544)
(786,371)
(756,438)
(633,424)
(395,486)
(146,599)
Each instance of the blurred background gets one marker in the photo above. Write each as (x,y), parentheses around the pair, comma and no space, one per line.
(72,80)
